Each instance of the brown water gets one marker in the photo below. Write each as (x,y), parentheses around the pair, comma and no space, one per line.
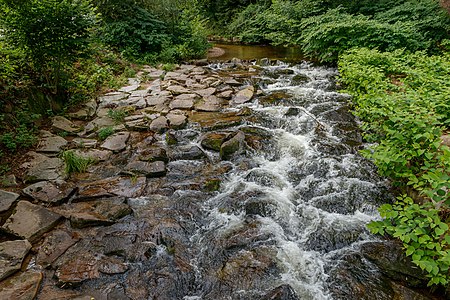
(247,52)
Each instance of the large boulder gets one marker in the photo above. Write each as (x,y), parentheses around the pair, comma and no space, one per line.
(232,146)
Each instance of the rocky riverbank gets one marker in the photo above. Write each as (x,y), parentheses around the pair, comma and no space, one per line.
(124,228)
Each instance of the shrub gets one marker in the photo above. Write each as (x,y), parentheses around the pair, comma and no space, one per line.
(105,132)
(75,163)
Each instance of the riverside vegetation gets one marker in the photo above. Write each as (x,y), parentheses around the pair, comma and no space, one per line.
(393,57)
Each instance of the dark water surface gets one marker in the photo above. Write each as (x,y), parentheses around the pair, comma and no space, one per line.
(250,52)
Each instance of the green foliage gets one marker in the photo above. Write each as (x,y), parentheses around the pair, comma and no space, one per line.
(118,115)
(402,100)
(105,132)
(75,163)
(424,235)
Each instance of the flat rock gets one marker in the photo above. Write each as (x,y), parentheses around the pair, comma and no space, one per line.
(226,94)
(7,199)
(181,104)
(50,143)
(116,142)
(156,74)
(30,221)
(94,213)
(52,193)
(148,169)
(205,93)
(54,245)
(115,186)
(129,88)
(9,181)
(159,124)
(176,120)
(112,265)
(176,76)
(186,152)
(43,168)
(232,82)
(12,254)
(213,140)
(177,89)
(109,98)
(95,154)
(86,111)
(78,268)
(244,95)
(99,122)
(215,120)
(23,286)
(211,104)
(157,100)
(154,153)
(232,146)
(85,143)
(62,124)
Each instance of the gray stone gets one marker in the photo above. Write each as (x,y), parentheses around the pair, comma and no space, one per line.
(226,94)
(111,97)
(30,221)
(7,199)
(211,104)
(206,92)
(244,95)
(187,152)
(50,143)
(43,168)
(23,286)
(181,104)
(86,111)
(112,265)
(116,142)
(85,143)
(94,154)
(156,74)
(99,122)
(232,82)
(115,186)
(62,124)
(154,153)
(176,120)
(54,245)
(213,140)
(148,169)
(8,181)
(48,192)
(176,76)
(177,89)
(159,124)
(12,254)
(232,146)
(94,213)
(129,88)
(157,100)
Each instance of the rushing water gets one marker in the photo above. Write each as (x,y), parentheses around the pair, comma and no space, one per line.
(305,199)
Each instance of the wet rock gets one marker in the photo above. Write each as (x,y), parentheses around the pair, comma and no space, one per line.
(276,98)
(62,124)
(12,254)
(51,193)
(116,142)
(54,245)
(187,152)
(244,95)
(154,153)
(86,111)
(211,103)
(215,120)
(116,186)
(41,168)
(138,124)
(283,292)
(77,268)
(85,143)
(23,286)
(30,221)
(258,207)
(177,89)
(205,93)
(159,124)
(226,94)
(148,169)
(299,79)
(232,146)
(50,143)
(94,154)
(293,111)
(213,140)
(94,213)
(390,258)
(112,265)
(7,199)
(176,120)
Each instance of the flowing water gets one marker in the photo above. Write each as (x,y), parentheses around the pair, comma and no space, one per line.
(286,214)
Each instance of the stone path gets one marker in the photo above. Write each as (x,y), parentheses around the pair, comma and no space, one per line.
(57,228)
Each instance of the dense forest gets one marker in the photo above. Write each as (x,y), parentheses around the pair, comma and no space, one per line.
(393,57)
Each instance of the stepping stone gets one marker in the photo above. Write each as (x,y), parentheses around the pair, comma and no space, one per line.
(30,221)
(176,76)
(115,186)
(94,213)
(111,97)
(148,169)
(95,154)
(77,268)
(51,143)
(244,95)
(176,120)
(85,143)
(43,168)
(206,92)
(232,146)
(12,254)
(156,74)
(157,100)
(116,142)
(226,94)
(87,111)
(62,124)
(213,140)
(129,88)
(99,122)
(23,286)
(7,199)
(187,152)
(159,124)
(211,104)
(181,104)
(8,181)
(48,192)
(177,89)
(54,245)
(154,154)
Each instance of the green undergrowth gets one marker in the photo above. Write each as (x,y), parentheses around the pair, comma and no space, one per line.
(402,101)
(76,163)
